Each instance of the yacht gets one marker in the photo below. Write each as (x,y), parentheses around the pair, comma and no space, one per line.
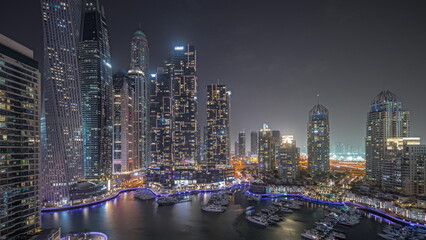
(166,200)
(257,220)
(213,208)
(144,194)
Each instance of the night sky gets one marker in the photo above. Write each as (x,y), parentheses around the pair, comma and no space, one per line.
(275,56)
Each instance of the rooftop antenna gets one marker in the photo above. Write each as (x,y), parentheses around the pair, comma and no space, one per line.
(140,25)
(218,81)
(317,98)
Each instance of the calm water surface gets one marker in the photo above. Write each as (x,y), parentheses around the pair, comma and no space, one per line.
(128,218)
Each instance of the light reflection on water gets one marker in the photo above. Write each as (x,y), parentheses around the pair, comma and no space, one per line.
(128,218)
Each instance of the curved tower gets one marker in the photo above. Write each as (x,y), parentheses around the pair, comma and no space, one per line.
(386,119)
(61,142)
(318,140)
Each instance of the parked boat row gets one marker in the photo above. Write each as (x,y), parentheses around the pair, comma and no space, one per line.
(327,228)
(218,202)
(271,215)
(402,233)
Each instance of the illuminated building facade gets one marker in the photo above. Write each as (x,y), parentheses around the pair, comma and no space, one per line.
(124,117)
(318,140)
(386,119)
(242,144)
(414,170)
(139,67)
(161,118)
(393,176)
(62,143)
(184,80)
(94,59)
(288,157)
(218,122)
(254,145)
(268,142)
(20,112)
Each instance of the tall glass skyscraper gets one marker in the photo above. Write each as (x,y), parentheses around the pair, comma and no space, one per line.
(62,143)
(94,60)
(254,146)
(268,142)
(386,119)
(161,118)
(288,157)
(218,122)
(318,140)
(124,118)
(139,67)
(20,136)
(184,80)
(242,143)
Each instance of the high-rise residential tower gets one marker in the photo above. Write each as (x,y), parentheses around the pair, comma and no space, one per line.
(161,118)
(254,145)
(124,118)
(394,176)
(218,113)
(184,80)
(94,59)
(242,144)
(318,140)
(288,155)
(62,143)
(20,110)
(268,142)
(386,119)
(139,67)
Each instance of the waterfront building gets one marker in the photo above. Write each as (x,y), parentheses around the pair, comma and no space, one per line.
(254,145)
(318,140)
(218,122)
(414,170)
(394,174)
(124,118)
(139,67)
(20,112)
(288,157)
(184,84)
(94,59)
(386,119)
(61,132)
(268,142)
(161,118)
(242,144)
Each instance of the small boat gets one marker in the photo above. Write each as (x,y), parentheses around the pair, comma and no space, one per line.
(213,208)
(257,220)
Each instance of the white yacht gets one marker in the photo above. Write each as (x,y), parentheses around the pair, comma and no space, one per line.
(257,220)
(213,208)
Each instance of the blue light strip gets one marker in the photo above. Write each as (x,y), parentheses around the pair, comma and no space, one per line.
(90,233)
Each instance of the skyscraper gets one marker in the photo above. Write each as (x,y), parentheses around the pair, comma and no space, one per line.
(20,137)
(254,145)
(318,140)
(184,80)
(288,157)
(124,118)
(218,113)
(94,60)
(139,67)
(414,170)
(62,144)
(386,119)
(161,118)
(268,142)
(242,144)
(393,175)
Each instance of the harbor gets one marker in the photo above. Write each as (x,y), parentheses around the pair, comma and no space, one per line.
(132,217)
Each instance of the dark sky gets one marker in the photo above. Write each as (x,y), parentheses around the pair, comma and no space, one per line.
(275,56)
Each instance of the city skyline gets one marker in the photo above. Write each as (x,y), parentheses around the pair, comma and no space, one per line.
(358,68)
